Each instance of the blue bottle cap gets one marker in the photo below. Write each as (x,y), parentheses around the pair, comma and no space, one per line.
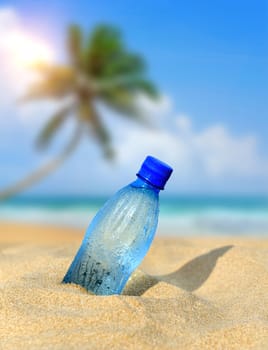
(155,172)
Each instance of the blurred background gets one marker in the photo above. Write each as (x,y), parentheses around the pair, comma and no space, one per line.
(90,88)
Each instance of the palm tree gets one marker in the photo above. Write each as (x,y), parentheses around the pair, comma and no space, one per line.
(100,69)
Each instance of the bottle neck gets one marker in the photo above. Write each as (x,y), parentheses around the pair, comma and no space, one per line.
(142,183)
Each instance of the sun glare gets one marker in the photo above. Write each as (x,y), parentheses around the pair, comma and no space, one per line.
(20,51)
(28,50)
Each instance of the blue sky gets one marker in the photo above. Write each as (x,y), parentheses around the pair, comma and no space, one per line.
(209,59)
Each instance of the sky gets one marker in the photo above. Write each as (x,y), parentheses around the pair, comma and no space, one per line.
(208,59)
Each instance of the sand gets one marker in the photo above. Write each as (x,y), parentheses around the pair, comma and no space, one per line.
(209,293)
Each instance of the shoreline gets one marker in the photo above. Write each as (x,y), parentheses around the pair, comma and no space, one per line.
(68,233)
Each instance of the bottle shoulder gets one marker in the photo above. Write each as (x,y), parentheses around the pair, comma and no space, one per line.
(133,190)
(142,183)
(131,196)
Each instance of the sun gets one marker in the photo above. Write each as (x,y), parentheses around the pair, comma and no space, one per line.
(31,50)
(27,50)
(21,51)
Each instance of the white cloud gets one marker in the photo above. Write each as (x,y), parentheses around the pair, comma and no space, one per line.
(19,49)
(208,160)
(212,152)
(8,19)
(212,155)
(183,123)
(224,154)
(156,108)
(19,122)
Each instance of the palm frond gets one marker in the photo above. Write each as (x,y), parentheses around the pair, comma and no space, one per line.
(53,70)
(104,45)
(131,84)
(125,103)
(107,70)
(144,86)
(57,81)
(123,98)
(52,126)
(75,45)
(124,63)
(88,115)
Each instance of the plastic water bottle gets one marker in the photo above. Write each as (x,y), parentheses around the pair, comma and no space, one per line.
(121,233)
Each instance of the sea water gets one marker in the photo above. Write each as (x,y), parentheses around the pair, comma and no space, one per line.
(179,215)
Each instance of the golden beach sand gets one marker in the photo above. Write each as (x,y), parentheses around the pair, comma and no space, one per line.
(210,293)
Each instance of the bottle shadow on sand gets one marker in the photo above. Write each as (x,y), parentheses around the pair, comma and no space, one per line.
(189,277)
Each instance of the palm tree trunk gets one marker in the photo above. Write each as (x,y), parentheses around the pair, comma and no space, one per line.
(44,170)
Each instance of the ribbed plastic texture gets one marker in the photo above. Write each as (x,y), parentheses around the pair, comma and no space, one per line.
(117,240)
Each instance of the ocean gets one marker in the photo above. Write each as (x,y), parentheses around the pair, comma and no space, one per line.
(181,215)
